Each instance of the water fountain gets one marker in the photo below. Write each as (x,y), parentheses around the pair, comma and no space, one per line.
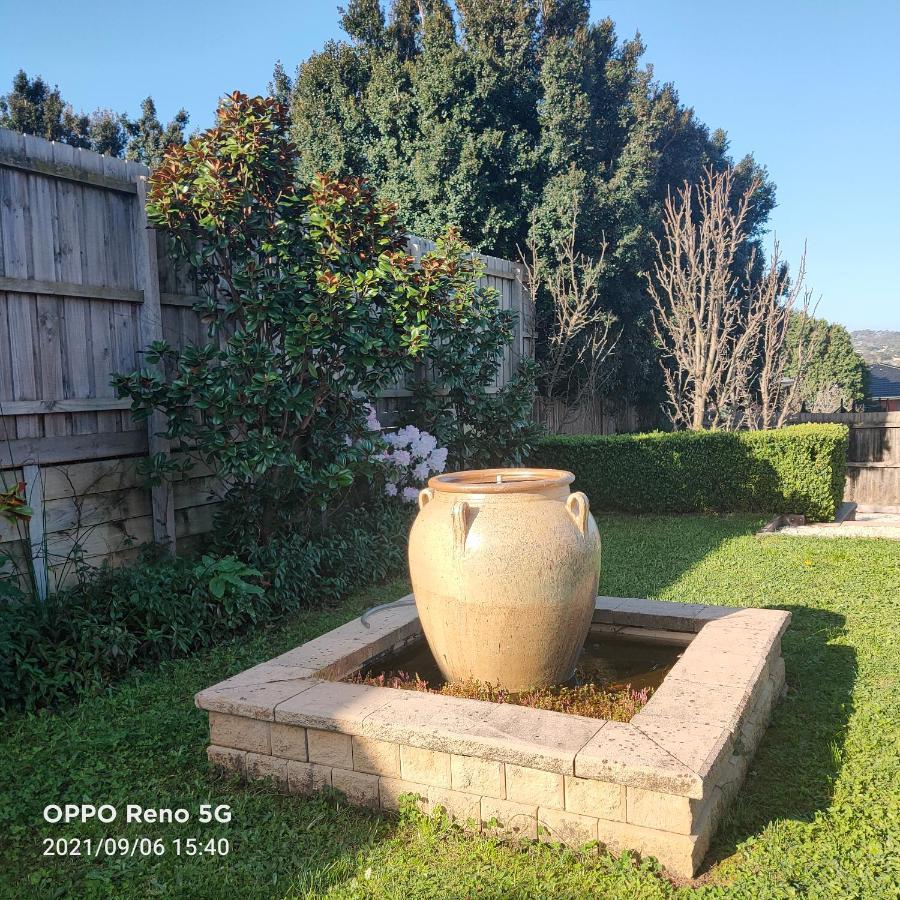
(504,565)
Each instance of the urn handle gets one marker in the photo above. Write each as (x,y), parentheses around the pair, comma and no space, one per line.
(426,495)
(460,518)
(579,509)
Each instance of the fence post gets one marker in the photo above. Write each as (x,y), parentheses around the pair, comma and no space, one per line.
(34,497)
(150,329)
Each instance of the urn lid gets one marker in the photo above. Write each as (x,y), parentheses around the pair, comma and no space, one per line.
(501,481)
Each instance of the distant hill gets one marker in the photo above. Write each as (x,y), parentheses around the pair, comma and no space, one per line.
(878,346)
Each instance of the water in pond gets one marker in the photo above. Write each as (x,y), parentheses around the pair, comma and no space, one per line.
(607,662)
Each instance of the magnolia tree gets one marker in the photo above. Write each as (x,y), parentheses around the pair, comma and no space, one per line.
(312,304)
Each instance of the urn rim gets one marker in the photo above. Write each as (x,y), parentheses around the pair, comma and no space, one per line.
(501,481)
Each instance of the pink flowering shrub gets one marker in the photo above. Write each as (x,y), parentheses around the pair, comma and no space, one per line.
(409,458)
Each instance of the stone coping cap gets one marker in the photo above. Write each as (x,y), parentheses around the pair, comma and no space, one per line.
(671,745)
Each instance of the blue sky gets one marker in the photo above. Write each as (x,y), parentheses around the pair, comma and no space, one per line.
(809,86)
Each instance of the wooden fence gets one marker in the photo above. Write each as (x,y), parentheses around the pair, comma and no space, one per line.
(873,457)
(84,286)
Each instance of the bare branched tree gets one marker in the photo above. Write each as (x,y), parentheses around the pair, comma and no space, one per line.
(582,336)
(722,331)
(776,301)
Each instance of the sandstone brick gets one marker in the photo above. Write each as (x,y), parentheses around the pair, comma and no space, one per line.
(425,766)
(307,778)
(681,854)
(589,797)
(460,807)
(329,748)
(359,787)
(666,812)
(231,762)
(533,786)
(478,776)
(392,789)
(289,742)
(559,826)
(755,723)
(270,768)
(507,819)
(239,733)
(376,757)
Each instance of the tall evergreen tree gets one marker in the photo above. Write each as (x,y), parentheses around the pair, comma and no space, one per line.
(33,107)
(499,116)
(148,138)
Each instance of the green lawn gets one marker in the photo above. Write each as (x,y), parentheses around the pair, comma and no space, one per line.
(819,815)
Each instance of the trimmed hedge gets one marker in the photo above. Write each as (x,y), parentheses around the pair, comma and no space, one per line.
(798,469)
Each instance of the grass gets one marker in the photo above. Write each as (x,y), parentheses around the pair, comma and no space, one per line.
(819,815)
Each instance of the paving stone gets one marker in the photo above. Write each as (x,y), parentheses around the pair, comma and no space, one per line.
(559,826)
(696,745)
(307,778)
(510,820)
(535,738)
(431,721)
(359,787)
(329,748)
(334,706)
(623,754)
(649,613)
(392,789)
(270,768)
(590,797)
(459,806)
(289,742)
(227,760)
(771,623)
(423,766)
(376,757)
(478,776)
(709,704)
(265,673)
(720,660)
(667,812)
(252,701)
(345,649)
(239,733)
(525,785)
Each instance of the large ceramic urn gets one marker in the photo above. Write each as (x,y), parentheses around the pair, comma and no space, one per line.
(505,565)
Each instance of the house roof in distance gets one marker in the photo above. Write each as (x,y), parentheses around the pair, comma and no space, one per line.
(884,381)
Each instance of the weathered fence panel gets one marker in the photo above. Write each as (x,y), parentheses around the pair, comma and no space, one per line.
(873,457)
(84,286)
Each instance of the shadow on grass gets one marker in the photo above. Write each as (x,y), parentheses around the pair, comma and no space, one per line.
(800,757)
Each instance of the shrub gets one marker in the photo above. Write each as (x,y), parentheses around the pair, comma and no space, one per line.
(119,619)
(798,469)
(313,302)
